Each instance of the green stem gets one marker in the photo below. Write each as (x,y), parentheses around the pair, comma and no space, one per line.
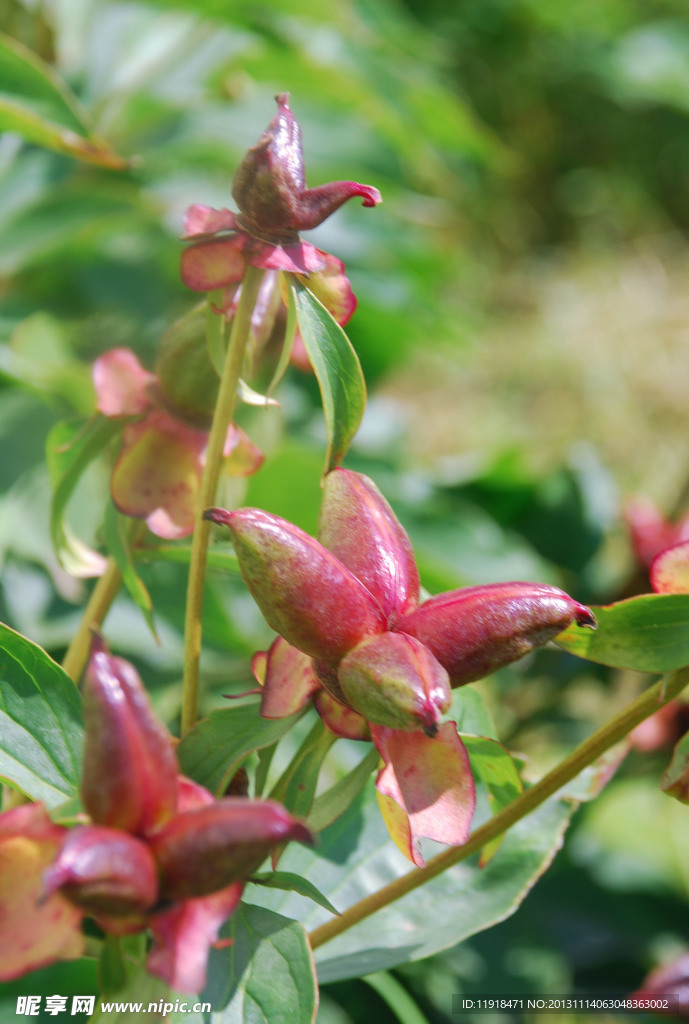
(585,754)
(222,418)
(102,596)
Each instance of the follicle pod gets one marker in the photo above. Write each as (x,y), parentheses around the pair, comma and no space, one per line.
(474,631)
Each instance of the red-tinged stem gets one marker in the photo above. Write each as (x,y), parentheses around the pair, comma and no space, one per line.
(585,754)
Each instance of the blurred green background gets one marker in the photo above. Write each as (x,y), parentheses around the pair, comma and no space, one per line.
(523,325)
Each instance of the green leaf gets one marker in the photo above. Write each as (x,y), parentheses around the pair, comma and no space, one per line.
(329,806)
(288,340)
(355,858)
(649,633)
(215,748)
(220,556)
(118,544)
(494,766)
(396,996)
(41,731)
(266,976)
(71,446)
(469,711)
(296,786)
(36,103)
(337,370)
(287,881)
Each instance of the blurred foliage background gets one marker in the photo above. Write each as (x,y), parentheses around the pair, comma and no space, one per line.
(523,324)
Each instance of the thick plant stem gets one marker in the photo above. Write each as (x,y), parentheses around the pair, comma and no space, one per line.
(585,754)
(222,417)
(102,596)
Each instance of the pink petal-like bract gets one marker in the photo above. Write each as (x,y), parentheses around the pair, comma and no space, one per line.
(34,931)
(121,383)
(157,475)
(130,770)
(214,264)
(650,531)
(359,527)
(305,593)
(474,631)
(290,681)
(341,720)
(331,287)
(183,936)
(204,220)
(670,570)
(430,782)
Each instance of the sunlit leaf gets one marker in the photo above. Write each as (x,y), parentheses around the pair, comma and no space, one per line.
(265,975)
(215,748)
(41,730)
(70,447)
(494,766)
(289,882)
(118,544)
(337,370)
(36,103)
(649,633)
(355,857)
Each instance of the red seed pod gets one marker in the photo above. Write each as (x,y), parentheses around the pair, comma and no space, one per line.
(394,680)
(359,527)
(474,631)
(104,871)
(130,770)
(305,593)
(269,186)
(204,850)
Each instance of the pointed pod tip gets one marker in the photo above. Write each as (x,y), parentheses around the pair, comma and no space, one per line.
(219,516)
(282,100)
(583,616)
(300,833)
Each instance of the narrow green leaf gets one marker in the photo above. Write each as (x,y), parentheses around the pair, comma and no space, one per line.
(265,759)
(288,340)
(649,633)
(71,446)
(289,882)
(296,786)
(355,857)
(37,104)
(220,556)
(337,370)
(117,541)
(397,997)
(329,806)
(41,731)
(215,748)
(266,975)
